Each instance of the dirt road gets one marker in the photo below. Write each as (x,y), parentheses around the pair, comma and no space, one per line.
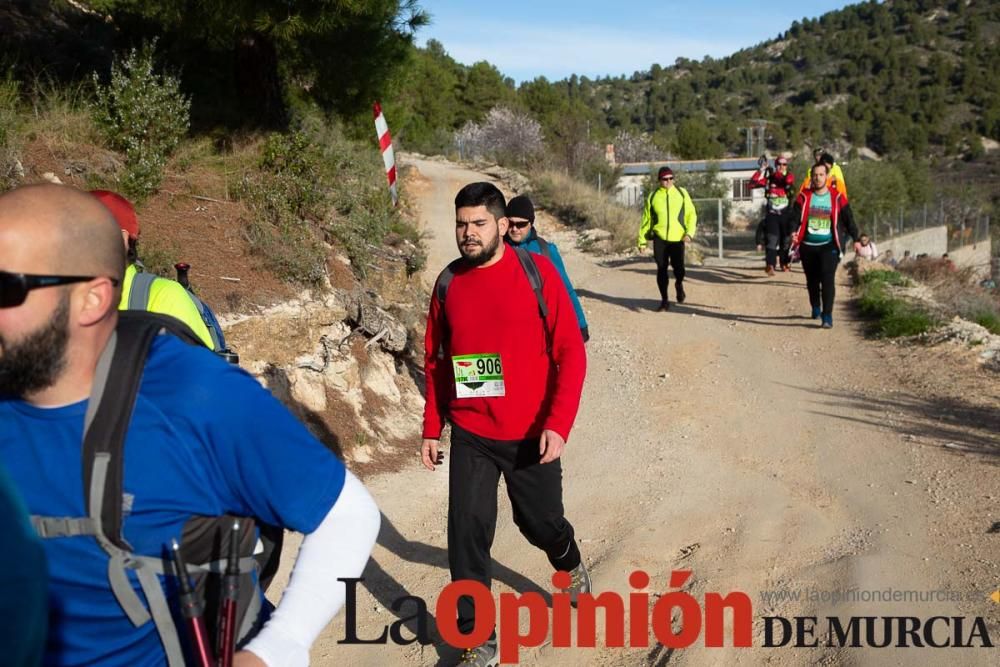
(727,437)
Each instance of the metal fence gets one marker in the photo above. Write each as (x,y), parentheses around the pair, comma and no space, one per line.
(964,227)
(729,227)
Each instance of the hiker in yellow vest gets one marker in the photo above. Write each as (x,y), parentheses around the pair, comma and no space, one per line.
(669,220)
(167,297)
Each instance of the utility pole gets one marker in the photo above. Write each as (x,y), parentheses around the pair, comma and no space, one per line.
(758,131)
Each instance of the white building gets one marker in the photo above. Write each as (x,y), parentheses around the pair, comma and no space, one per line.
(736,172)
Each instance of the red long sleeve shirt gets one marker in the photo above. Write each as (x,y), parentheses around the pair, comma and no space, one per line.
(780,188)
(493,310)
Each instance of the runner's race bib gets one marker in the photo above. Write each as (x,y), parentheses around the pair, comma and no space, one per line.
(478,375)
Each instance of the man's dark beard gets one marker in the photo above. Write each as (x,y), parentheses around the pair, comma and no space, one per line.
(37,361)
(486,255)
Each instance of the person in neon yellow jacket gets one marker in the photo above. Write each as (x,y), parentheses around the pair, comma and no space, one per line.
(167,297)
(669,219)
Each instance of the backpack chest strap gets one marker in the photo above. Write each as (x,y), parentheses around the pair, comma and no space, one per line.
(54,526)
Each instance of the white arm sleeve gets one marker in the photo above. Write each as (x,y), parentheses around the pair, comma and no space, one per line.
(339,547)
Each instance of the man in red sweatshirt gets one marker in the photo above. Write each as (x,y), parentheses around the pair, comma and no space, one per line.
(509,381)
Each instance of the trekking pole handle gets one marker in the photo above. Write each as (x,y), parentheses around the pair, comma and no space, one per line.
(182,269)
(192,610)
(230,598)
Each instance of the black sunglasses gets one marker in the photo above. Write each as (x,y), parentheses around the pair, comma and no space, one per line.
(520,225)
(14,287)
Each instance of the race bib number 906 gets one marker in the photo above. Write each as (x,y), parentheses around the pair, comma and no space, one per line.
(478,375)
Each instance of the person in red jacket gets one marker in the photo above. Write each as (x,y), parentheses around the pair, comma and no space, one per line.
(825,221)
(509,381)
(774,230)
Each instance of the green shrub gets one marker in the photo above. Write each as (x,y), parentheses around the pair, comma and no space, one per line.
(988,319)
(362,215)
(905,320)
(143,115)
(286,198)
(886,277)
(314,184)
(893,315)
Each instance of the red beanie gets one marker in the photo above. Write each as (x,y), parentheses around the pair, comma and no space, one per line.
(122,209)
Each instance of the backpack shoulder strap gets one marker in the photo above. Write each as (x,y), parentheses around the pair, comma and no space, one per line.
(441,293)
(211,323)
(444,280)
(142,285)
(534,277)
(543,247)
(109,411)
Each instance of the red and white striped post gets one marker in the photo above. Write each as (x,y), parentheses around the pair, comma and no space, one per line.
(388,156)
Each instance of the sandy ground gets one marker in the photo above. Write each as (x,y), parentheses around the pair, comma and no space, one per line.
(730,437)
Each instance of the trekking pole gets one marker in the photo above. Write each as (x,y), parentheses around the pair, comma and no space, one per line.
(182,274)
(192,610)
(230,598)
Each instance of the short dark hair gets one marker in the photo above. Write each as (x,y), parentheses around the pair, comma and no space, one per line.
(482,194)
(826,158)
(821,164)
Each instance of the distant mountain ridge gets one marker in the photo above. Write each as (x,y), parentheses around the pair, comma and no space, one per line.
(913,76)
(900,77)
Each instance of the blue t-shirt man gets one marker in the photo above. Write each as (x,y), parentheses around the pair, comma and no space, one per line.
(186,453)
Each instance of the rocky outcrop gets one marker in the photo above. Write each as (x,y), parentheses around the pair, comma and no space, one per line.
(341,363)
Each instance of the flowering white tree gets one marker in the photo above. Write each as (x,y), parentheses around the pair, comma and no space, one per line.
(505,135)
(632,147)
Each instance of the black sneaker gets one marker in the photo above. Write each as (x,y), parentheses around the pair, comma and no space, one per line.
(664,306)
(680,294)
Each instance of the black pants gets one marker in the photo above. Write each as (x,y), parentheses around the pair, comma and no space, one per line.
(667,253)
(778,240)
(820,266)
(535,492)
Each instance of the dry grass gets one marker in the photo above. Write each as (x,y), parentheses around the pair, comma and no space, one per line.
(958,291)
(59,114)
(578,204)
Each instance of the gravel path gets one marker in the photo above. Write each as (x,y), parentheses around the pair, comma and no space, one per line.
(728,437)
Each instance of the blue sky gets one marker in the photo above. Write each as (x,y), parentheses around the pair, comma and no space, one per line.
(526,38)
